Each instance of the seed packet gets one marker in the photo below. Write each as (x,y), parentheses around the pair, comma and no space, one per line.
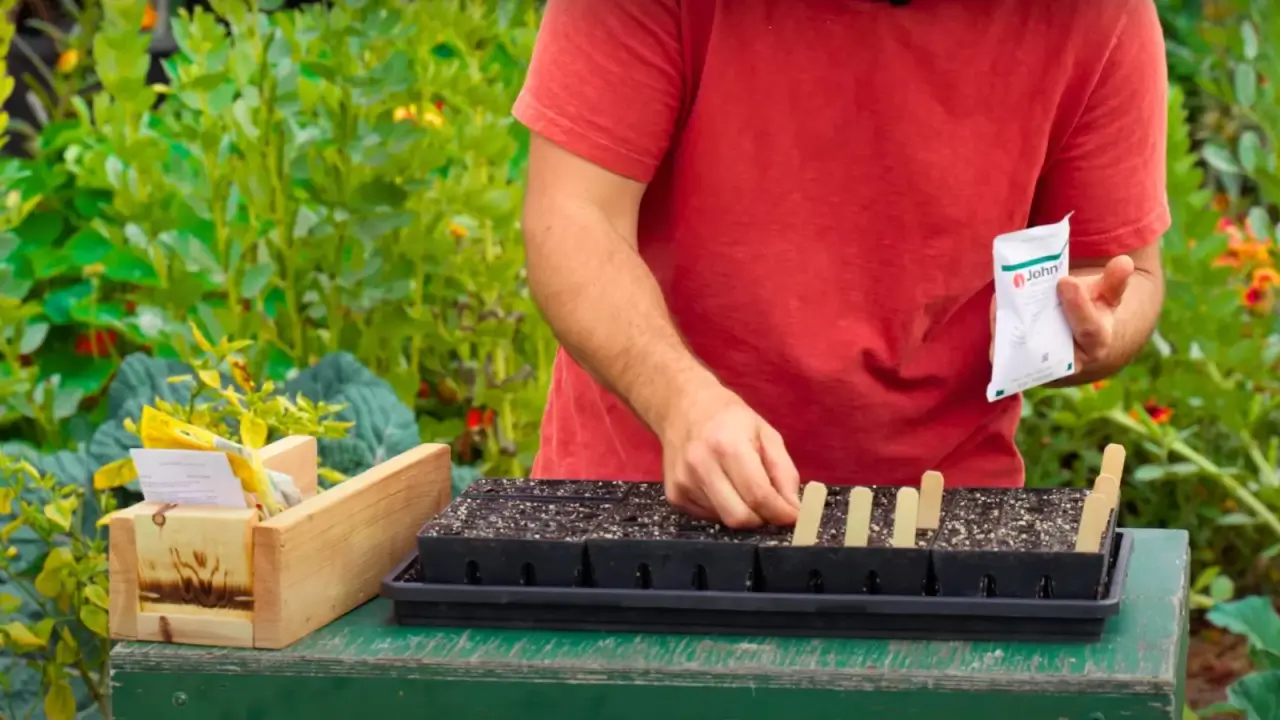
(1033,343)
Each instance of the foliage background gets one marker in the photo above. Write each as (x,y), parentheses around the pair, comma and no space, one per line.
(341,184)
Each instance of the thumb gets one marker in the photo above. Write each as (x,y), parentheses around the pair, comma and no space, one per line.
(777,462)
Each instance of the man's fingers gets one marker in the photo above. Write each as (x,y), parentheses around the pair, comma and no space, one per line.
(730,508)
(1114,280)
(1087,323)
(777,462)
(745,469)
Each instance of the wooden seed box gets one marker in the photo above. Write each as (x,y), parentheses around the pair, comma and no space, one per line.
(220,576)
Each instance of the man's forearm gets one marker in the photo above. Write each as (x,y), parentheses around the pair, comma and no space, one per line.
(607,310)
(1135,321)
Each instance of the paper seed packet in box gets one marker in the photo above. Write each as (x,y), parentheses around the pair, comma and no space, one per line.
(1033,343)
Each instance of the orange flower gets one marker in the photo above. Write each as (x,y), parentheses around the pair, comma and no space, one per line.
(431,118)
(1098,385)
(148,17)
(67,61)
(457,231)
(1221,202)
(1264,277)
(1227,259)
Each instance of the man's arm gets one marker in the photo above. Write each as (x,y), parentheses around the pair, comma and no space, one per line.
(721,460)
(1112,305)
(587,276)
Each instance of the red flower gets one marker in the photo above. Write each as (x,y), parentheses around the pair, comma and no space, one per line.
(97,343)
(439,104)
(424,390)
(1253,296)
(479,419)
(130,306)
(1158,413)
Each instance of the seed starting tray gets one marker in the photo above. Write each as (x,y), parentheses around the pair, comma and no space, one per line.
(613,556)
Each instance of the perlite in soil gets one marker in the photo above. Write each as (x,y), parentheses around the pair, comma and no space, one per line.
(1033,342)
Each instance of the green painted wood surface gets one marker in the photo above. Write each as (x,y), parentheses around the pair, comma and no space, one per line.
(363,665)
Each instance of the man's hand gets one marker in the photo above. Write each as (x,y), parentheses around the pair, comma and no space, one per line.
(723,462)
(1090,303)
(1107,337)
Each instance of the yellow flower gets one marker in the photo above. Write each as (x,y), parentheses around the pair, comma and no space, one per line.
(457,230)
(68,61)
(1265,277)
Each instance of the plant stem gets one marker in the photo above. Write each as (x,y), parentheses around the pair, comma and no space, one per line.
(90,682)
(1207,466)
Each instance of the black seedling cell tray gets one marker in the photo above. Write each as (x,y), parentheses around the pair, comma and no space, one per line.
(496,541)
(416,602)
(1017,545)
(829,567)
(646,544)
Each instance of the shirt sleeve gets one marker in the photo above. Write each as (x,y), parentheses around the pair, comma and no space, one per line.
(606,81)
(1109,169)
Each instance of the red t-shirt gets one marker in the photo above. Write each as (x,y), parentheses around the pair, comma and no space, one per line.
(826,178)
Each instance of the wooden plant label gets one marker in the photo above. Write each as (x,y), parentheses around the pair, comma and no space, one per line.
(810,520)
(1113,461)
(1109,486)
(1093,522)
(904,517)
(930,501)
(857,526)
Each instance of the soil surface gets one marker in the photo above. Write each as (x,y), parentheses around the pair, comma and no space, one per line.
(1215,660)
(642,519)
(521,487)
(1042,520)
(494,518)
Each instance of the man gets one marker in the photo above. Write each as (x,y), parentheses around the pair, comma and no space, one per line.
(762,230)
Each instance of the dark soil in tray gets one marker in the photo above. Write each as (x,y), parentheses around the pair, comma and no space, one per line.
(648,544)
(509,542)
(1015,544)
(527,488)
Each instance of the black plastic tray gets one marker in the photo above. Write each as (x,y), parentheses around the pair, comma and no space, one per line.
(758,613)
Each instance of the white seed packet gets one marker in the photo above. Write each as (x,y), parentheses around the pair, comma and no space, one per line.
(1033,343)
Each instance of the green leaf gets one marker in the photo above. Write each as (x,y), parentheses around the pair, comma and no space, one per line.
(313,69)
(125,266)
(1222,588)
(1236,519)
(58,304)
(96,595)
(9,604)
(255,279)
(47,262)
(1220,158)
(33,336)
(1257,694)
(1260,222)
(59,514)
(8,243)
(1250,150)
(1253,618)
(87,247)
(39,229)
(21,635)
(67,651)
(94,618)
(1249,36)
(1246,84)
(204,84)
(1148,473)
(60,701)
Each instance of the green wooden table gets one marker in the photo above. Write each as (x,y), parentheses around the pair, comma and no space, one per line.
(363,666)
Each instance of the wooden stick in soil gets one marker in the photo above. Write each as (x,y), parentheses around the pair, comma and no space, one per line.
(930,501)
(1093,522)
(1113,461)
(1109,486)
(857,527)
(810,520)
(904,517)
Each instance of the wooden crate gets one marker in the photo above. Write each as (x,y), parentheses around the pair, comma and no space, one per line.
(219,576)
